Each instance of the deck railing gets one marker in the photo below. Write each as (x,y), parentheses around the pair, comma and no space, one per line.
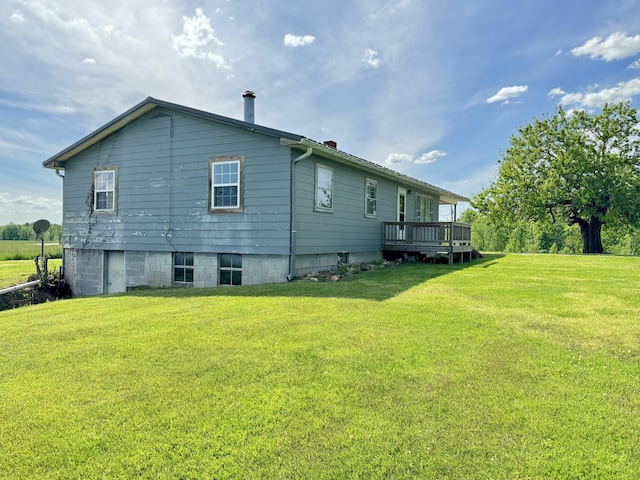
(448,234)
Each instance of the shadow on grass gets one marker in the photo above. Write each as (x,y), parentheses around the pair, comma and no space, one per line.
(378,285)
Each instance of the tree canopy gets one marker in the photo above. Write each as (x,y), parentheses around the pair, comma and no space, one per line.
(574,167)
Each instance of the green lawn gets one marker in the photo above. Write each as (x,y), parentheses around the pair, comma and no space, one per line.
(14,272)
(27,249)
(512,367)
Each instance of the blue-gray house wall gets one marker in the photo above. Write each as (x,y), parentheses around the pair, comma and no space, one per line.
(162,162)
(163,187)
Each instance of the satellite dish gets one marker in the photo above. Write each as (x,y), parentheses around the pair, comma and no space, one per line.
(41,226)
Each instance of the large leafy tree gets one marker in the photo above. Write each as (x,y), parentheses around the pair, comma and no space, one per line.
(579,168)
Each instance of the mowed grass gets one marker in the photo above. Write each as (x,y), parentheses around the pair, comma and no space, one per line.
(512,367)
(15,272)
(27,249)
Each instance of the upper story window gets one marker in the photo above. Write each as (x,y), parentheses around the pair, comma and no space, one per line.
(324,188)
(424,208)
(370,198)
(104,189)
(226,184)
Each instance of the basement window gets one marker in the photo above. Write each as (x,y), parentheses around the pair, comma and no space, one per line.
(183,267)
(104,189)
(230,269)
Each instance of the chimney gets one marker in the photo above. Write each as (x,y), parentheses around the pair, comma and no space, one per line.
(331,143)
(249,113)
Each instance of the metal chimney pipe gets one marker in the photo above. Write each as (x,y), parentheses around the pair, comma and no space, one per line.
(249,112)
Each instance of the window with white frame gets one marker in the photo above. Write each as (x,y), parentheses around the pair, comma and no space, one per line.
(230,269)
(226,184)
(424,208)
(324,188)
(104,189)
(183,267)
(370,198)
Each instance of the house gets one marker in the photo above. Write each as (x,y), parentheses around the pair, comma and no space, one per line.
(166,195)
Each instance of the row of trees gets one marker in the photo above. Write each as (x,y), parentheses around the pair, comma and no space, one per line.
(25,232)
(543,237)
(565,181)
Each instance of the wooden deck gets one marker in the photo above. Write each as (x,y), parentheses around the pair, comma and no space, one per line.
(429,239)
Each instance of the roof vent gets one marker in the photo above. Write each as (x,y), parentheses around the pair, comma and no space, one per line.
(331,143)
(249,112)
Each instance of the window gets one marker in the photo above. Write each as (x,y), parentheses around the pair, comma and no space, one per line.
(424,208)
(324,188)
(230,266)
(183,267)
(370,198)
(104,189)
(226,186)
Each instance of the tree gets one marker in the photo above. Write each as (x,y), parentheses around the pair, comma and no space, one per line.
(580,168)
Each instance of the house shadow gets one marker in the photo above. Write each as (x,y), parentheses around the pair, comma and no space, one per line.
(377,285)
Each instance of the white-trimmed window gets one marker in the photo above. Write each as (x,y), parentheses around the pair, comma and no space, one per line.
(104,189)
(230,269)
(370,198)
(226,185)
(183,267)
(424,208)
(324,188)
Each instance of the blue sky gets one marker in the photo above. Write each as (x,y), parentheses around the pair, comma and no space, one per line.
(432,89)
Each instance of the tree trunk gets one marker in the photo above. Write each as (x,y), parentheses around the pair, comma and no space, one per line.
(591,235)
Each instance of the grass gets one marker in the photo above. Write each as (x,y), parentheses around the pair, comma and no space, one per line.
(27,249)
(14,272)
(514,367)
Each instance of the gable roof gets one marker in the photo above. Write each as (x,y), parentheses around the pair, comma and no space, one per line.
(287,138)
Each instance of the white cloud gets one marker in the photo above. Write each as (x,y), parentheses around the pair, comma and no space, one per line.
(371,58)
(17,17)
(615,47)
(89,61)
(505,93)
(298,41)
(31,208)
(623,91)
(196,38)
(405,158)
(635,65)
(554,92)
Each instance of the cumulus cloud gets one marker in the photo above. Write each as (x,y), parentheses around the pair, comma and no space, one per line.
(298,40)
(616,46)
(371,58)
(635,65)
(89,61)
(196,39)
(554,92)
(506,93)
(405,158)
(17,17)
(623,91)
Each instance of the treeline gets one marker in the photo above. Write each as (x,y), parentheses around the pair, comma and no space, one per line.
(540,237)
(25,232)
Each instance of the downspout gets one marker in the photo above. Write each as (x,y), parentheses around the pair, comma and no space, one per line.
(57,170)
(292,219)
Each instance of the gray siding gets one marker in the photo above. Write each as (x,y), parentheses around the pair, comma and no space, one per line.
(346,228)
(163,190)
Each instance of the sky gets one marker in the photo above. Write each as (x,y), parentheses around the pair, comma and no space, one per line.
(433,89)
